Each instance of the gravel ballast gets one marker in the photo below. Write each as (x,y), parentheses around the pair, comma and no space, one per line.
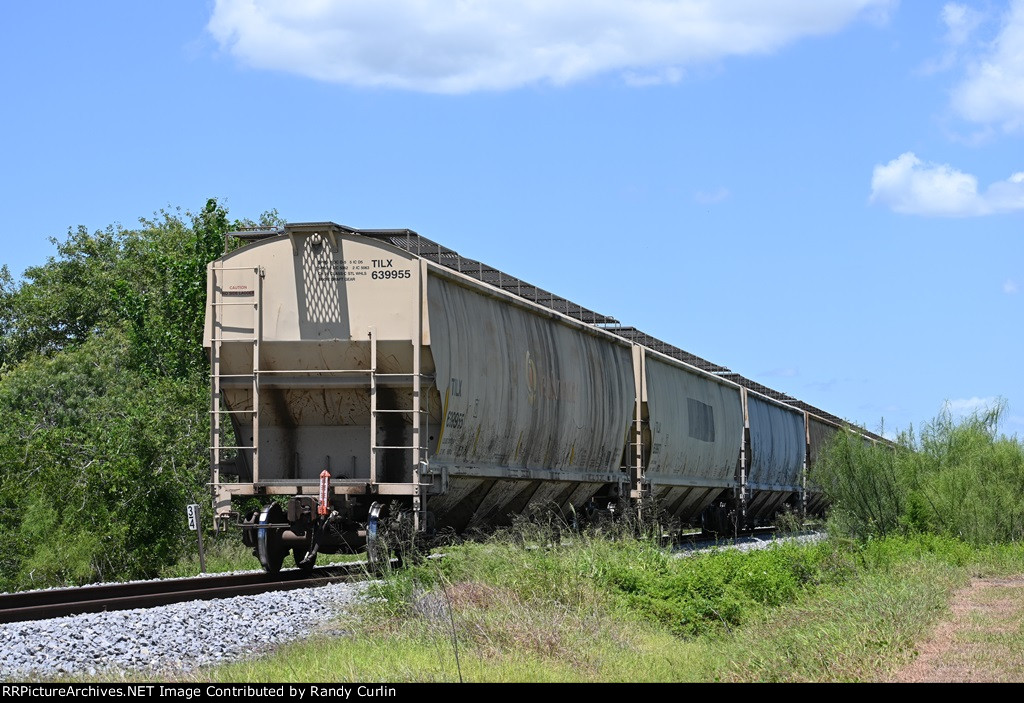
(170,638)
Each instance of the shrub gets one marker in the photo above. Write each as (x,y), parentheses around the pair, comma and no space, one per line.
(959,479)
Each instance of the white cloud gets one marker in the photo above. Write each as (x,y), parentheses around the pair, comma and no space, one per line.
(912,187)
(1010,286)
(993,91)
(455,47)
(966,406)
(960,21)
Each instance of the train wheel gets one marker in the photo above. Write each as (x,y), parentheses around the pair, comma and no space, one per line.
(269,549)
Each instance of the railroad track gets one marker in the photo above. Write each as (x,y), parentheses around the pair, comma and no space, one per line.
(58,602)
(702,537)
(756,538)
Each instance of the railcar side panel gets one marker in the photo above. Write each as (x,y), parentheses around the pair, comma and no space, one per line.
(696,429)
(820,433)
(775,455)
(696,425)
(520,390)
(777,445)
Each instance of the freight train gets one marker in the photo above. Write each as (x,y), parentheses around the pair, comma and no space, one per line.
(356,370)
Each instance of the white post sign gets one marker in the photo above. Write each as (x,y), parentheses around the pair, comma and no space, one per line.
(193,525)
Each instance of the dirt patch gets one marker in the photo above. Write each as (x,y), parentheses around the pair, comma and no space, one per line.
(982,641)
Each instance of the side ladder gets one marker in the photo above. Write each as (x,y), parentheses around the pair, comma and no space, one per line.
(420,424)
(218,409)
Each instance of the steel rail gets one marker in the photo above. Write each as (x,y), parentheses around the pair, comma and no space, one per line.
(59,602)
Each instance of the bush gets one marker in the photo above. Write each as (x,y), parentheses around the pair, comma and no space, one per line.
(100,464)
(959,479)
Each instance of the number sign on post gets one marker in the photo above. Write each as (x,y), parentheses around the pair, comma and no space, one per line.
(194,525)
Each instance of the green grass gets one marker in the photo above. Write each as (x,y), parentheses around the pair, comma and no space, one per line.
(222,554)
(622,610)
(858,631)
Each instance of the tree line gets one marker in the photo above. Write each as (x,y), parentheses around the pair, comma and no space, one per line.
(104,421)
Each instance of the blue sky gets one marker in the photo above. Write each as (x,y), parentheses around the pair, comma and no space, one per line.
(827,197)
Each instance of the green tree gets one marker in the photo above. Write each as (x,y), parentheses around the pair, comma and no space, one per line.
(103,396)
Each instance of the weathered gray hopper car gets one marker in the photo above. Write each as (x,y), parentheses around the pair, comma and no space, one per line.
(819,433)
(775,451)
(361,367)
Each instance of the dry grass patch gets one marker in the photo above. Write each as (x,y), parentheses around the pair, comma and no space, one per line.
(982,641)
(492,623)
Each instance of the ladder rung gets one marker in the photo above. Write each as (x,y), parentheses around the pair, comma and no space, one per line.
(221,305)
(233,339)
(384,447)
(298,372)
(379,410)
(223,447)
(229,412)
